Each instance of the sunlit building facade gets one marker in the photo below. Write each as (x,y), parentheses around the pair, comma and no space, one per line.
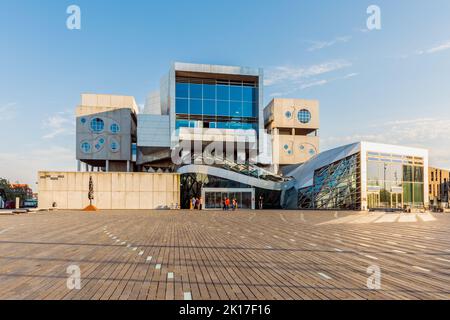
(361,176)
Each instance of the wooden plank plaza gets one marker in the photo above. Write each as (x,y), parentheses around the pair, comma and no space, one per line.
(196,255)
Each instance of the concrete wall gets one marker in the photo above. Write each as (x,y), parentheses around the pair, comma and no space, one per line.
(299,149)
(112,190)
(275,114)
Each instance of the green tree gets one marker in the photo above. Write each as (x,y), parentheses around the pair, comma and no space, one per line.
(11,193)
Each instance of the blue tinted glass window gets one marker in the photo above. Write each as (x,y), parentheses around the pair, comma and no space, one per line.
(255,110)
(85,147)
(196,91)
(114,146)
(115,128)
(182,106)
(223,92)
(209,91)
(248,126)
(235,109)
(249,94)
(248,110)
(182,90)
(213,124)
(235,125)
(209,107)
(236,93)
(223,108)
(196,106)
(304,116)
(181,124)
(223,125)
(97,125)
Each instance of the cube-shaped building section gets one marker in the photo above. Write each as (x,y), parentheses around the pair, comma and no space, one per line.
(293,125)
(106,132)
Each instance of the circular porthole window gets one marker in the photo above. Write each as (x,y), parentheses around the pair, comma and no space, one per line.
(312,152)
(304,116)
(114,128)
(83,120)
(286,147)
(302,147)
(288,114)
(97,125)
(85,147)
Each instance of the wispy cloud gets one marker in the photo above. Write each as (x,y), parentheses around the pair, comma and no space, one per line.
(428,133)
(61,123)
(318,45)
(438,48)
(8,111)
(313,84)
(296,75)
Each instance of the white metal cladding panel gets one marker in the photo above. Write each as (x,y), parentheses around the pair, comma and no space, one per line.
(153,131)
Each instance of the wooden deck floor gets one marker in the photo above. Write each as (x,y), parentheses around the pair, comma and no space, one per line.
(216,255)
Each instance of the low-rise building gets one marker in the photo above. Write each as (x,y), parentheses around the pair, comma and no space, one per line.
(439,185)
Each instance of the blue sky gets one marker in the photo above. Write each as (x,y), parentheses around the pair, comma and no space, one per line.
(389,85)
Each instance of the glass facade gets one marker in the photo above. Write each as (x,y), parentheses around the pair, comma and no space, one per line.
(191,186)
(212,103)
(394,181)
(336,186)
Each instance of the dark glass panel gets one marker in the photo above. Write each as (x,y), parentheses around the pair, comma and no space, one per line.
(223,92)
(181,124)
(248,110)
(209,91)
(418,174)
(236,93)
(196,91)
(408,173)
(249,94)
(182,106)
(223,108)
(235,109)
(182,90)
(209,107)
(196,106)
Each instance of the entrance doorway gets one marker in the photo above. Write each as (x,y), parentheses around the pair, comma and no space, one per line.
(373,200)
(214,197)
(396,200)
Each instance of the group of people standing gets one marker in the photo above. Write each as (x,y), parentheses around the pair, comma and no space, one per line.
(196,203)
(227,204)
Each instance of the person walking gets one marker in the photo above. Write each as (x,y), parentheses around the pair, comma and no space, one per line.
(227,204)
(261,201)
(200,203)
(224,203)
